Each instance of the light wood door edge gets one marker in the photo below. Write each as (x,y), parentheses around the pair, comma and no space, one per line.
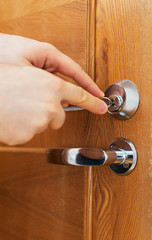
(91,29)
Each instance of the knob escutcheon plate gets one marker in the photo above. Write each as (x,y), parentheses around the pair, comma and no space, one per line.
(130,162)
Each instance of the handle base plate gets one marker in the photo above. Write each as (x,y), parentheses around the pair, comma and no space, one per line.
(129,164)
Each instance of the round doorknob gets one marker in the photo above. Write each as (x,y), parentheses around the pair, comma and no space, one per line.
(124,96)
(122,99)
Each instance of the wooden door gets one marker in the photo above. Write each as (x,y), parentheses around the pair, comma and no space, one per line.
(111,40)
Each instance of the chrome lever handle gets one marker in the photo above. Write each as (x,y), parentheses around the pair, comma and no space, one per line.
(121,156)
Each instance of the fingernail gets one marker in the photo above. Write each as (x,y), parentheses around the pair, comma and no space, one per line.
(101,94)
(104,108)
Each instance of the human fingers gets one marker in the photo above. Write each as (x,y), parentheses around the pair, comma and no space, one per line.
(20,51)
(66,66)
(58,118)
(75,95)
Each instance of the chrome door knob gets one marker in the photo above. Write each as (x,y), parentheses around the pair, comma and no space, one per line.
(124,96)
(122,99)
(121,156)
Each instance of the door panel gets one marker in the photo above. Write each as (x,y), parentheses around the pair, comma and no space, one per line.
(122,206)
(39,200)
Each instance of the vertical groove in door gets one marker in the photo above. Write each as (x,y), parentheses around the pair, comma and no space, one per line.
(88,204)
(90,60)
(91,30)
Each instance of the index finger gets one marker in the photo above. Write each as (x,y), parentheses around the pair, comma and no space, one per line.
(66,66)
(77,96)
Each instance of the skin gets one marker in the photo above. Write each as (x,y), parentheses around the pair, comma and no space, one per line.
(32,96)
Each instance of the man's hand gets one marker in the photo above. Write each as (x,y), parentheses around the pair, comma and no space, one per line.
(31,99)
(20,51)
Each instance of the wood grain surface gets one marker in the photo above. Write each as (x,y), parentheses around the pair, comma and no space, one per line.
(38,200)
(122,206)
